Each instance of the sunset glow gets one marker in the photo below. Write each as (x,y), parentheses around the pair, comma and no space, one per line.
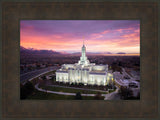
(67,35)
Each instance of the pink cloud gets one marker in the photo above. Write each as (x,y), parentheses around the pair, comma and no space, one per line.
(123,39)
(99,35)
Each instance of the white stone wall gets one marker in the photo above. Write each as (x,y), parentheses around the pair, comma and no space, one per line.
(95,79)
(109,78)
(78,76)
(62,77)
(100,68)
(83,76)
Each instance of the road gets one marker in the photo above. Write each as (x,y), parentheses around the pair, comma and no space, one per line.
(27,76)
(112,96)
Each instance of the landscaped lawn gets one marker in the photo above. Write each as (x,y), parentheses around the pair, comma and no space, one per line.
(111,90)
(70,90)
(50,96)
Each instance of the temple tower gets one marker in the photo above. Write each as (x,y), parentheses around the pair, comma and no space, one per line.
(83,59)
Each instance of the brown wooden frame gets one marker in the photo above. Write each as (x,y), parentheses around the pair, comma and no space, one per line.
(13,12)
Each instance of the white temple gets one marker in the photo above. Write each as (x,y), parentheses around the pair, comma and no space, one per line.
(84,72)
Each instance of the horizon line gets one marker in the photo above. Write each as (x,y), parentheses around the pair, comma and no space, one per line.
(71,52)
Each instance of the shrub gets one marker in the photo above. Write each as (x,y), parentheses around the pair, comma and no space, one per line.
(78,96)
(26,90)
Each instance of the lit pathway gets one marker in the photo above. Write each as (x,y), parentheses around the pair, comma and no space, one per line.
(73,94)
(61,93)
(109,96)
(79,88)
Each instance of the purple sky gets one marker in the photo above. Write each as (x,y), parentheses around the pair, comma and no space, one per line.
(68,35)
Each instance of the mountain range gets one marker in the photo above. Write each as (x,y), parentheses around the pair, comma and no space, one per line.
(32,51)
(35,51)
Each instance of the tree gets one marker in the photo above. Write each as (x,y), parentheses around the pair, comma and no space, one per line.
(120,63)
(29,87)
(125,92)
(26,90)
(138,96)
(23,92)
(44,77)
(98,96)
(54,78)
(78,96)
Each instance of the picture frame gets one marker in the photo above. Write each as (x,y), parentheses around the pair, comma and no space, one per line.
(13,12)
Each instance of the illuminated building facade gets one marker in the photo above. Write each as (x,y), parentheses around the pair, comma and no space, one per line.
(84,72)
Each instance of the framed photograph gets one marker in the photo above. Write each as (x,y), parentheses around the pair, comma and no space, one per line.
(80,60)
(53,68)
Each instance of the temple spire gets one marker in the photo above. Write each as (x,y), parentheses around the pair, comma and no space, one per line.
(83,40)
(83,59)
